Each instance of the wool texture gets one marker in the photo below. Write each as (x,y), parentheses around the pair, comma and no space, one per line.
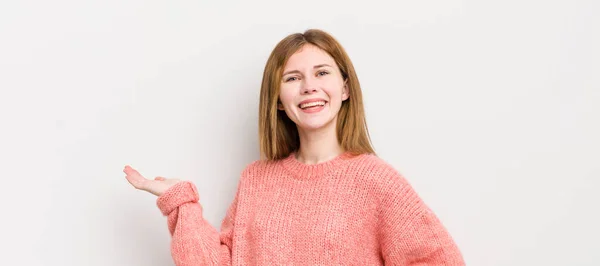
(350,210)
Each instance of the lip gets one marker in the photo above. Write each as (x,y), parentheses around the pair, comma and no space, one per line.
(312,100)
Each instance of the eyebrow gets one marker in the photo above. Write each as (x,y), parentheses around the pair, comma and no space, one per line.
(296,71)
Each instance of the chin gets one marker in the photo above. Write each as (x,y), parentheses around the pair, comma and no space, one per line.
(316,125)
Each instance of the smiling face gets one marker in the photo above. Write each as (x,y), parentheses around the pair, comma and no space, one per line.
(312,89)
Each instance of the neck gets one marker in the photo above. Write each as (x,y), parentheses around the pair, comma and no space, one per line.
(318,145)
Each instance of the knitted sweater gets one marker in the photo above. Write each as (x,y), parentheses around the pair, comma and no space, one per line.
(351,210)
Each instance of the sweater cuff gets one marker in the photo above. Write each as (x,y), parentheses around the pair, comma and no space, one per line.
(177,195)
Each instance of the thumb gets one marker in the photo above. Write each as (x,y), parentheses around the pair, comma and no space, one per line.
(160,178)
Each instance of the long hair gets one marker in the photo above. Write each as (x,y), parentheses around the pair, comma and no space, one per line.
(278,134)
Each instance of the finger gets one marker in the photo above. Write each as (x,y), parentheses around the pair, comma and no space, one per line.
(134,177)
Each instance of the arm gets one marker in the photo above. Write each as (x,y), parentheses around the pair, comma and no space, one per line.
(194,240)
(410,232)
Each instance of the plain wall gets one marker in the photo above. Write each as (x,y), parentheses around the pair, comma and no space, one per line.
(491,109)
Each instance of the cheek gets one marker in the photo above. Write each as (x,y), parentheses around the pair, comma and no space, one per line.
(335,91)
(286,97)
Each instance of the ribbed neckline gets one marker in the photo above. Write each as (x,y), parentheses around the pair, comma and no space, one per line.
(302,171)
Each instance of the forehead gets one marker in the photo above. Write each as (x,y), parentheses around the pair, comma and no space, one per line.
(307,57)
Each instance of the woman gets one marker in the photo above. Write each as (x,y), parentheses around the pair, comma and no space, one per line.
(319,195)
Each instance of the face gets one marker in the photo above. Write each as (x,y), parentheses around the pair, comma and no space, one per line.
(312,89)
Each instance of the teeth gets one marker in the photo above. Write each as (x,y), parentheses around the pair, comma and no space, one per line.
(311,104)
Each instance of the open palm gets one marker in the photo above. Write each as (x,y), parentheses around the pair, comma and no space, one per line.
(158,186)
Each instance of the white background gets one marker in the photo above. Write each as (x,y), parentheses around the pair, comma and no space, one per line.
(491,109)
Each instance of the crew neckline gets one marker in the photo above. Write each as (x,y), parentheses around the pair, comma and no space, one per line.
(303,171)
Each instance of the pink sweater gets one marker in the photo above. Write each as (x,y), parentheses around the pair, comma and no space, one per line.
(351,210)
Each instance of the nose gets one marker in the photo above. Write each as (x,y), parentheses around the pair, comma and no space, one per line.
(309,86)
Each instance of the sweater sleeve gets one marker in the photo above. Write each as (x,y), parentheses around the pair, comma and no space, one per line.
(194,241)
(410,233)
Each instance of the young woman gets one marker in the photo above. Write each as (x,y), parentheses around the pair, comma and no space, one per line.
(319,195)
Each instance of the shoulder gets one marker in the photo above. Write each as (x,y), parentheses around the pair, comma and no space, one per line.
(258,168)
(384,180)
(393,191)
(373,168)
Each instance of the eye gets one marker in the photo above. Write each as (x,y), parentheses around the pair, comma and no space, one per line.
(323,73)
(290,79)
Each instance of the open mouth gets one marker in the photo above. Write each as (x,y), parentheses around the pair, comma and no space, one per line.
(312,105)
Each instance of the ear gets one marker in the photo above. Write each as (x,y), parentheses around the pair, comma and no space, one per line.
(280,106)
(345,91)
